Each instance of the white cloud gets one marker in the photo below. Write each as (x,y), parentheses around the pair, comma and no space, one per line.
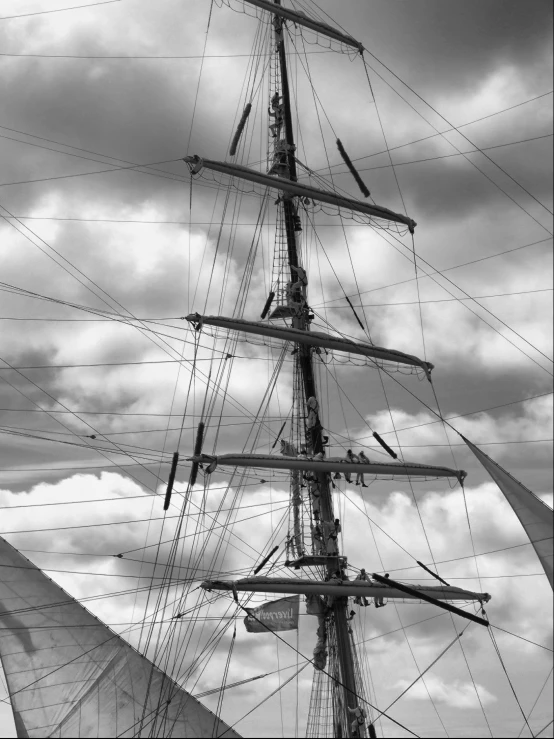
(456,694)
(422,436)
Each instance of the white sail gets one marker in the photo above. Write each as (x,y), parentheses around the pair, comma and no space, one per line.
(535,516)
(69,675)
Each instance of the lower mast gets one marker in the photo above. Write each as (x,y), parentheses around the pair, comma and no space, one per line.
(314,438)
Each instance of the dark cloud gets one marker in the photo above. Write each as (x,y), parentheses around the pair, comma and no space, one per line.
(468,38)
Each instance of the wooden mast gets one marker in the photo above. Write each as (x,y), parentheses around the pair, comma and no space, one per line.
(304,359)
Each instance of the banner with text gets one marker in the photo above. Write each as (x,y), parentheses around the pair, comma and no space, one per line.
(278,615)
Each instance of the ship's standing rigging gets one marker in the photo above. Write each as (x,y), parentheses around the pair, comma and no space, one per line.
(109,689)
(334,633)
(339,632)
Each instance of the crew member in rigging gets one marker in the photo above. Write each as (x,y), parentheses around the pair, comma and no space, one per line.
(378,600)
(353,459)
(313,425)
(315,494)
(360,476)
(317,537)
(359,719)
(330,533)
(288,449)
(276,111)
(302,281)
(361,600)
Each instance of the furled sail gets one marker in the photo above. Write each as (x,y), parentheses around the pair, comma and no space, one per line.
(342,588)
(197,163)
(535,516)
(69,675)
(311,338)
(329,465)
(301,19)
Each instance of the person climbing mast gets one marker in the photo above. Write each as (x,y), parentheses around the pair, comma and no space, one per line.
(358,724)
(277,112)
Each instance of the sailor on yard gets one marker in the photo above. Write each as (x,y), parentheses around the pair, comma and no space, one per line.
(360,476)
(379,599)
(361,600)
(353,459)
(288,449)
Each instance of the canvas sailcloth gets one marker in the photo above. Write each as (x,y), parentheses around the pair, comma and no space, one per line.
(535,516)
(69,675)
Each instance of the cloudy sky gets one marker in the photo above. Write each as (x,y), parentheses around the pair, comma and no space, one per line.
(88,95)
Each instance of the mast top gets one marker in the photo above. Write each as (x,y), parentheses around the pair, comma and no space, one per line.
(301,19)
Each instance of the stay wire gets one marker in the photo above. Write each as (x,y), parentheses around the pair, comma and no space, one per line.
(443,156)
(435,135)
(200,75)
(433,663)
(497,650)
(58,10)
(372,92)
(224,679)
(117,449)
(464,155)
(419,299)
(447,269)
(332,677)
(467,307)
(544,728)
(536,701)
(454,128)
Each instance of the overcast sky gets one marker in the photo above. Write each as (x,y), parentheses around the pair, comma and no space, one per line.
(78,228)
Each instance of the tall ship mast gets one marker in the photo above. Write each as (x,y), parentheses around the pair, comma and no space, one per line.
(67,673)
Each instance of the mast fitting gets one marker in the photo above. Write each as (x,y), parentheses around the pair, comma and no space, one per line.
(196,163)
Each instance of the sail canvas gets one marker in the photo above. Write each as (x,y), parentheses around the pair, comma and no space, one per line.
(535,516)
(69,675)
